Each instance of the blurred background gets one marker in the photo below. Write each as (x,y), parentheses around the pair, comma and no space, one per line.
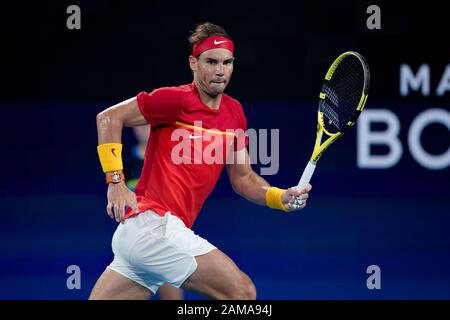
(382,203)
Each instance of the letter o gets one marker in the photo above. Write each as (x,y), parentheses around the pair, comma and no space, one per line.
(429,161)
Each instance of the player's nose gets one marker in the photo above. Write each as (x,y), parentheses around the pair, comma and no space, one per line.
(219,69)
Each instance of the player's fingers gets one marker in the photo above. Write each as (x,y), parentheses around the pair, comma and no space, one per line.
(291,199)
(307,188)
(133,203)
(117,212)
(294,191)
(295,199)
(289,206)
(122,212)
(298,202)
(303,196)
(109,210)
(294,205)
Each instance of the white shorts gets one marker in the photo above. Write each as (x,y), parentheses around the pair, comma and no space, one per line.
(152,250)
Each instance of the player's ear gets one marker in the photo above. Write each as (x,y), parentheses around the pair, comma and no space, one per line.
(193,63)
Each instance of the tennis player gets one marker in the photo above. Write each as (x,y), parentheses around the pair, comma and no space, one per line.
(154,243)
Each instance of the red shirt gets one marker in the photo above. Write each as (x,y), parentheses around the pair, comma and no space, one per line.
(184,157)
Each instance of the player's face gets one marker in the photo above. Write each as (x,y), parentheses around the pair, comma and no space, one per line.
(212,70)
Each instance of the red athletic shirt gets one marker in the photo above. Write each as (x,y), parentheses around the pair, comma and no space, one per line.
(187,149)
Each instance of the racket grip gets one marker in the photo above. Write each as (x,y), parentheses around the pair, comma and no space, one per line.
(307,174)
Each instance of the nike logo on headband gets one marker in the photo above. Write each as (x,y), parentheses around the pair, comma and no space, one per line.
(219,42)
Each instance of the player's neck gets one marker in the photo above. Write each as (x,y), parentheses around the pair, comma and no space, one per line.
(210,101)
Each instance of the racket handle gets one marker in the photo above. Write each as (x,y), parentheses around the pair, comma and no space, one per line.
(307,174)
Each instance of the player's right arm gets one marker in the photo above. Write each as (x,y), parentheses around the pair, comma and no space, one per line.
(110,123)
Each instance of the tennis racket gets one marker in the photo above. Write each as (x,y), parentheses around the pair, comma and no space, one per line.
(342,98)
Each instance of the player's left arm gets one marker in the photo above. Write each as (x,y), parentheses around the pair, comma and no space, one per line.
(248,184)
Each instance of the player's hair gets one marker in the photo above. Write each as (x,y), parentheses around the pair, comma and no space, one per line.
(205,30)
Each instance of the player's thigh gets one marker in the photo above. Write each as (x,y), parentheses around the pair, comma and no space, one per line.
(217,276)
(112,285)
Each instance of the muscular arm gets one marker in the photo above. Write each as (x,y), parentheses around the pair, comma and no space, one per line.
(246,182)
(111,121)
(253,187)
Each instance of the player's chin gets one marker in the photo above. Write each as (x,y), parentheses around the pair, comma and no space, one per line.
(218,87)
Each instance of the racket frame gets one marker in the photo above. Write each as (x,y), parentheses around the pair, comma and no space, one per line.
(319,146)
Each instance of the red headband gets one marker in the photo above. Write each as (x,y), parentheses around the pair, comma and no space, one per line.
(212,43)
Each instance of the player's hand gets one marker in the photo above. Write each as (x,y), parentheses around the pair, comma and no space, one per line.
(295,199)
(119,197)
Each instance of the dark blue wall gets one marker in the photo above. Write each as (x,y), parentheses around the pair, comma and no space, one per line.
(397,218)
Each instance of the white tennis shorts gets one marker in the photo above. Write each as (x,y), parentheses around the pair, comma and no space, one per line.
(151,250)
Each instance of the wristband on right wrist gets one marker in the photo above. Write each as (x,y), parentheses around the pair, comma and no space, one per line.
(110,155)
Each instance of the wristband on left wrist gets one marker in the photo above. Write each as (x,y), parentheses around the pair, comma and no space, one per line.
(274,198)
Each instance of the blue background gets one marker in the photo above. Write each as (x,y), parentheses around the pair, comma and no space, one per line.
(53,195)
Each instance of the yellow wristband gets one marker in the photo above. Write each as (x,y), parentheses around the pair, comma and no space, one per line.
(273,198)
(110,155)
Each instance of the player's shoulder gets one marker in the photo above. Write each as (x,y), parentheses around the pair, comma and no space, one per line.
(175,93)
(184,88)
(175,89)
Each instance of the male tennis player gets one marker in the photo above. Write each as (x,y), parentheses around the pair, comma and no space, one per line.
(154,244)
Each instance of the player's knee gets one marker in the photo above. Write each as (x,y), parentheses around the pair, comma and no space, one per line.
(250,291)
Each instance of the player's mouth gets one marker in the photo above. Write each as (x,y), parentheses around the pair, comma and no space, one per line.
(219,81)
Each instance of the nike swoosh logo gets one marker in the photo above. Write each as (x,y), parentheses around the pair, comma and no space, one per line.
(194,137)
(219,42)
(112,150)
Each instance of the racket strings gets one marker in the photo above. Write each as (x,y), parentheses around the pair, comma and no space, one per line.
(349,81)
(330,114)
(343,93)
(347,84)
